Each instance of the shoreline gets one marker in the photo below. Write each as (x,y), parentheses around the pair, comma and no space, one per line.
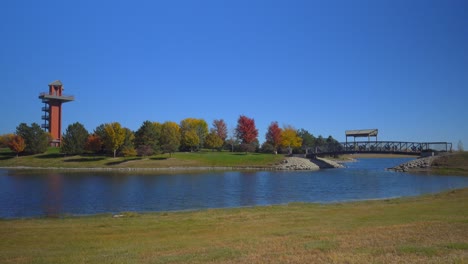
(287,164)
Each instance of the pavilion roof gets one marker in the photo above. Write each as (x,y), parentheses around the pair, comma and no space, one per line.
(362,133)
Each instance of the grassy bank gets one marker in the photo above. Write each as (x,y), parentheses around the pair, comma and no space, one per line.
(428,229)
(456,164)
(52,158)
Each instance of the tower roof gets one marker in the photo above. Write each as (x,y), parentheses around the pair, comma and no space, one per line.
(56,83)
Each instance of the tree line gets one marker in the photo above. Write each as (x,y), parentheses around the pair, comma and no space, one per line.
(190,134)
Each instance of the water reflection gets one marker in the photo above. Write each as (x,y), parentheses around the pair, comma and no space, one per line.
(54,199)
(42,193)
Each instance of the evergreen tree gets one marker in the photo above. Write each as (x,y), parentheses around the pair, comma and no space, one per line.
(74,140)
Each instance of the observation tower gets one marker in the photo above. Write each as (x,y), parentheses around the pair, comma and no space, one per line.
(53,111)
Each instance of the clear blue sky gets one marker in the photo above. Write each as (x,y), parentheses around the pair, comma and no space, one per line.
(326,66)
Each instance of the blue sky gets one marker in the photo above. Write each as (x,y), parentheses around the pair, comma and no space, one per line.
(325,66)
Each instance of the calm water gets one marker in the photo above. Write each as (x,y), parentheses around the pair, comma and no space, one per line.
(45,193)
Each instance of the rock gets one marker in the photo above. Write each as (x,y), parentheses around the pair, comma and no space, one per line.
(420,163)
(294,163)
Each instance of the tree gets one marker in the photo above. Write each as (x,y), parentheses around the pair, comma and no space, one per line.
(94,143)
(213,141)
(273,136)
(16,144)
(170,137)
(308,140)
(460,146)
(74,140)
(4,140)
(36,139)
(191,128)
(114,136)
(290,139)
(232,140)
(190,140)
(148,135)
(246,130)
(220,128)
(128,148)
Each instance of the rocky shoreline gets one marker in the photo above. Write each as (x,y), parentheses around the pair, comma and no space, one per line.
(295,163)
(419,164)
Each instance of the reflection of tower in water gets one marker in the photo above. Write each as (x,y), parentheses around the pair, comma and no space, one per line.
(54,197)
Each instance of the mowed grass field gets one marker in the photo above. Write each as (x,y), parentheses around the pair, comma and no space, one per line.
(427,229)
(53,158)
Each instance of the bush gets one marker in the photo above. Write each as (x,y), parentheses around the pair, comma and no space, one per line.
(144,150)
(267,148)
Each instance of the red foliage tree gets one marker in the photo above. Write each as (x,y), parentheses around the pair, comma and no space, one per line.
(273,135)
(220,128)
(246,130)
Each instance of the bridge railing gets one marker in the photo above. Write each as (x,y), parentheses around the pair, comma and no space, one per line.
(381,146)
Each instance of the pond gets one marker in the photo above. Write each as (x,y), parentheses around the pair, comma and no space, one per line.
(25,193)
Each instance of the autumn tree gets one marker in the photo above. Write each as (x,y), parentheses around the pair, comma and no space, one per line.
(246,130)
(94,143)
(114,136)
(220,128)
(16,144)
(193,133)
(74,139)
(4,140)
(147,138)
(290,139)
(273,136)
(127,149)
(37,140)
(170,137)
(213,141)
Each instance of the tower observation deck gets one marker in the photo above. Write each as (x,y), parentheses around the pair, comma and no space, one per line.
(53,110)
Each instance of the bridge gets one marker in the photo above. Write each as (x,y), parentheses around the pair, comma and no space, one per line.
(383,147)
(394,147)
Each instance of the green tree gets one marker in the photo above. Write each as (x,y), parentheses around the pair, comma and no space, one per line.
(114,136)
(147,136)
(308,140)
(213,141)
(36,139)
(74,140)
(170,137)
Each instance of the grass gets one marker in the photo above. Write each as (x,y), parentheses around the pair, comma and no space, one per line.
(53,158)
(456,164)
(427,229)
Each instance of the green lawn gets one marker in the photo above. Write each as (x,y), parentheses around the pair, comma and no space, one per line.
(53,158)
(428,229)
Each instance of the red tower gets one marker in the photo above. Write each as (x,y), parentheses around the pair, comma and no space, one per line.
(53,110)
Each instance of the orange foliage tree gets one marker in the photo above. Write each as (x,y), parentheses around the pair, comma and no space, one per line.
(16,144)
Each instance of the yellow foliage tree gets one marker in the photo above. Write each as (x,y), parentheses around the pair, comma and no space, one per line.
(193,132)
(213,141)
(290,139)
(114,136)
